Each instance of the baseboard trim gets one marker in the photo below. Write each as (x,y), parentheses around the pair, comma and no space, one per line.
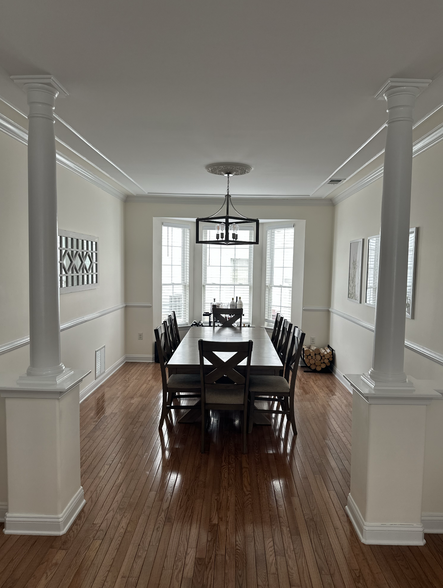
(140,358)
(20,524)
(3,511)
(379,534)
(341,378)
(92,387)
(432,522)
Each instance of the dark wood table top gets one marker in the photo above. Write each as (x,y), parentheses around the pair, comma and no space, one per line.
(264,358)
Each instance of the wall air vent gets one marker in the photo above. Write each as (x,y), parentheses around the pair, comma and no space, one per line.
(334,181)
(99,362)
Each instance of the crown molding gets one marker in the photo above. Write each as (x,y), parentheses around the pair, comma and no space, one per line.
(245,199)
(20,134)
(421,145)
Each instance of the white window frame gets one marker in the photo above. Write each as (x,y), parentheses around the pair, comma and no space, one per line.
(249,304)
(187,269)
(268,322)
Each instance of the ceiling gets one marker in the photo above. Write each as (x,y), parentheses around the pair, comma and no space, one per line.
(160,88)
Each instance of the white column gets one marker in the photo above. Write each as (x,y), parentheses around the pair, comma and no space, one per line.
(44,313)
(389,412)
(387,370)
(42,406)
(44,321)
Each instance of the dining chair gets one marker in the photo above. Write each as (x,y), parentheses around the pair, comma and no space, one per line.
(176,387)
(171,333)
(278,388)
(277,327)
(283,342)
(223,385)
(168,347)
(176,330)
(274,330)
(227,317)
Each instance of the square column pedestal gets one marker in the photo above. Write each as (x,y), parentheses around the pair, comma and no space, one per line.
(387,463)
(43,456)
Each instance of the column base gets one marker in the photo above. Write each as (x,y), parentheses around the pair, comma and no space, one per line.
(394,387)
(23,524)
(35,381)
(383,534)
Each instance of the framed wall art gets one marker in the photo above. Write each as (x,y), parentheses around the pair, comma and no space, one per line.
(355,270)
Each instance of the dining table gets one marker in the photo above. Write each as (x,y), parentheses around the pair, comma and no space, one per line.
(264,358)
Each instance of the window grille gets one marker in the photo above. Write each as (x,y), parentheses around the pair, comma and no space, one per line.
(227,274)
(78,261)
(175,271)
(279,265)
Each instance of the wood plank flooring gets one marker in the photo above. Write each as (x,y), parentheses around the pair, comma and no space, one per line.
(159,513)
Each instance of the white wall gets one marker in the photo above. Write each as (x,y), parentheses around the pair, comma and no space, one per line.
(139,261)
(82,208)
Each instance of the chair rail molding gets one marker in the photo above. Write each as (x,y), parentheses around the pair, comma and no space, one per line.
(420,349)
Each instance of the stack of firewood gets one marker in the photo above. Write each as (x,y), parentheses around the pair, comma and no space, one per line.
(318,358)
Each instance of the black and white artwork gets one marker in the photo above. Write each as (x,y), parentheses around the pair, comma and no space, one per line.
(355,270)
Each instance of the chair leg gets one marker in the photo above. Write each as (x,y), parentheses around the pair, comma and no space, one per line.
(251,412)
(203,429)
(244,430)
(292,417)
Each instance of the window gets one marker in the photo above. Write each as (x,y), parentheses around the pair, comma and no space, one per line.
(372,270)
(78,261)
(373,266)
(227,273)
(279,262)
(175,272)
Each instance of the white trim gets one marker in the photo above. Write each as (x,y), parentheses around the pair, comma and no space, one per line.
(12,129)
(92,387)
(90,317)
(90,177)
(422,144)
(13,345)
(341,378)
(244,199)
(19,133)
(383,534)
(432,522)
(424,351)
(138,305)
(315,308)
(140,358)
(3,511)
(352,319)
(23,524)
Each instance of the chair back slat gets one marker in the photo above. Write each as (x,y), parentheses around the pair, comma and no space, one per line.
(225,377)
(277,331)
(176,331)
(227,317)
(274,330)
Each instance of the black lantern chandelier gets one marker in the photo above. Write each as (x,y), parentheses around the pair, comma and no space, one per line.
(226,228)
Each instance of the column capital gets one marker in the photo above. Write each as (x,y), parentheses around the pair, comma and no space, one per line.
(398,84)
(42,80)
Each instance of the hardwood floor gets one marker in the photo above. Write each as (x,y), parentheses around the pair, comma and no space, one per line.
(159,513)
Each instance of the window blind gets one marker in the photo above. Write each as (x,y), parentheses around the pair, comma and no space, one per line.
(227,273)
(175,271)
(279,264)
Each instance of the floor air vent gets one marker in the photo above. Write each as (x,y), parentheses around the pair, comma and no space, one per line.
(99,362)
